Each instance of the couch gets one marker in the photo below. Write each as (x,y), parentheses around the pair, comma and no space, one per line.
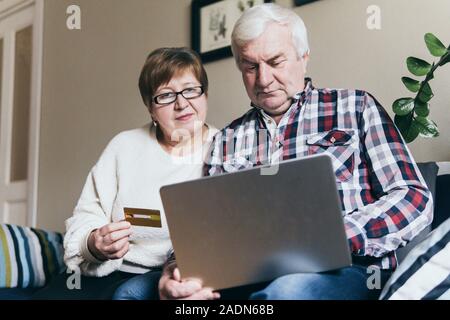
(30,257)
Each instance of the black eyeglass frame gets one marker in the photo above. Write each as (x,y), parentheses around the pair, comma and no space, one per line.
(155,98)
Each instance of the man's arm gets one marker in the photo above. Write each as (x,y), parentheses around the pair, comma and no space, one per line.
(404,206)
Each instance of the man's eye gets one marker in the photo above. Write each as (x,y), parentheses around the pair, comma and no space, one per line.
(277,63)
(189,90)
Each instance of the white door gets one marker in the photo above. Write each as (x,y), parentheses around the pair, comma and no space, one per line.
(20,77)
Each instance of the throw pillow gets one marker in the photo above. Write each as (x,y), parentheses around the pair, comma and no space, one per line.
(29,257)
(425,272)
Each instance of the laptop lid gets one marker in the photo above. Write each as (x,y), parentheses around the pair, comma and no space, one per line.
(253,225)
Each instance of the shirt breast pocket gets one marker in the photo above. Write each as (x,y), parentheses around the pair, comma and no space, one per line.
(339,145)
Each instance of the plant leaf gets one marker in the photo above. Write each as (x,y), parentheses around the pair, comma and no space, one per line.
(403,122)
(403,106)
(418,67)
(445,60)
(407,127)
(425,93)
(421,108)
(427,128)
(434,45)
(411,84)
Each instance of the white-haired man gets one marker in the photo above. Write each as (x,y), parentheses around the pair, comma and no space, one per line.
(385,201)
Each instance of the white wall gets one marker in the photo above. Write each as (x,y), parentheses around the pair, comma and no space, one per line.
(90,90)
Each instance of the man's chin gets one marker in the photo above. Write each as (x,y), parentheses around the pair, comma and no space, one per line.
(274,107)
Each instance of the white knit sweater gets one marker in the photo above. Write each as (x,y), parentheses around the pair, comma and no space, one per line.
(129,173)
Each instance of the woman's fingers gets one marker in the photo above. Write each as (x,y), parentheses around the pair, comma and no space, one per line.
(116,246)
(116,236)
(114,226)
(203,294)
(119,254)
(188,288)
(176,274)
(172,289)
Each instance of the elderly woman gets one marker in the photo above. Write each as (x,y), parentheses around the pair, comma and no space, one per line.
(99,243)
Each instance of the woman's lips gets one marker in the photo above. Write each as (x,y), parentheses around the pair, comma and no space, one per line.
(184,117)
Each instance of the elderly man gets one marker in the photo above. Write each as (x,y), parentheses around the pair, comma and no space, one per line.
(385,201)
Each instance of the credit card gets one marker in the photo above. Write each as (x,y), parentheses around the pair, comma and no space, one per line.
(143,217)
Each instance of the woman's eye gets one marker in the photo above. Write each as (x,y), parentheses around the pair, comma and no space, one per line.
(166,95)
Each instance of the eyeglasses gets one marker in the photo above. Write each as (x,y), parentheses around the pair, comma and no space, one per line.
(169,97)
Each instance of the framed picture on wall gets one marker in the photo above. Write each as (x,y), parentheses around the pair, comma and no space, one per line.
(212,24)
(302,2)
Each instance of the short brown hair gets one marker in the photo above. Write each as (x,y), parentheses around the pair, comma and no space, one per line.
(162,64)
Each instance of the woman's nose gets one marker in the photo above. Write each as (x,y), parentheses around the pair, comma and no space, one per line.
(181,102)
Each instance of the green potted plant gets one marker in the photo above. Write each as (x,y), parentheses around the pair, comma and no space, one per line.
(411,114)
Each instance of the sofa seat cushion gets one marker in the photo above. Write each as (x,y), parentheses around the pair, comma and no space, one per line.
(29,257)
(17,293)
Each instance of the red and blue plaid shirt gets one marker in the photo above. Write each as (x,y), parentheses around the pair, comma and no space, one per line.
(385,201)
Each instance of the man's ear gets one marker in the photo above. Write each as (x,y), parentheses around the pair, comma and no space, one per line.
(305,59)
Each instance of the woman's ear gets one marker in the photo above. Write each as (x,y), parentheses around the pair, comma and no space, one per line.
(152,116)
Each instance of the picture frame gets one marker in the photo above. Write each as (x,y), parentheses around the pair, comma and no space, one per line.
(302,2)
(212,23)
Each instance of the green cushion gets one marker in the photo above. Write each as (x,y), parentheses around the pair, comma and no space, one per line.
(29,257)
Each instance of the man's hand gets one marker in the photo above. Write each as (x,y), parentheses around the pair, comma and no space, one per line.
(110,241)
(171,286)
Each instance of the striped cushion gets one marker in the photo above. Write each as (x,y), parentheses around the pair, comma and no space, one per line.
(28,257)
(425,272)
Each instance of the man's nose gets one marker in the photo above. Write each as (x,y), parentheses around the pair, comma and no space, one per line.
(264,77)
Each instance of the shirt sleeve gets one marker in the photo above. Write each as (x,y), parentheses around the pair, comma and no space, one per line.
(404,205)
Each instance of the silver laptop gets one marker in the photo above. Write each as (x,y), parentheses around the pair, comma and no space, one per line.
(253,225)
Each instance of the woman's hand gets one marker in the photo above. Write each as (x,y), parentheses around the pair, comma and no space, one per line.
(171,286)
(110,241)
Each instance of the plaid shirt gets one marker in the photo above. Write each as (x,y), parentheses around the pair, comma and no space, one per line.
(385,201)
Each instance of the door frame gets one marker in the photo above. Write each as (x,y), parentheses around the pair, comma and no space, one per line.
(36,7)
